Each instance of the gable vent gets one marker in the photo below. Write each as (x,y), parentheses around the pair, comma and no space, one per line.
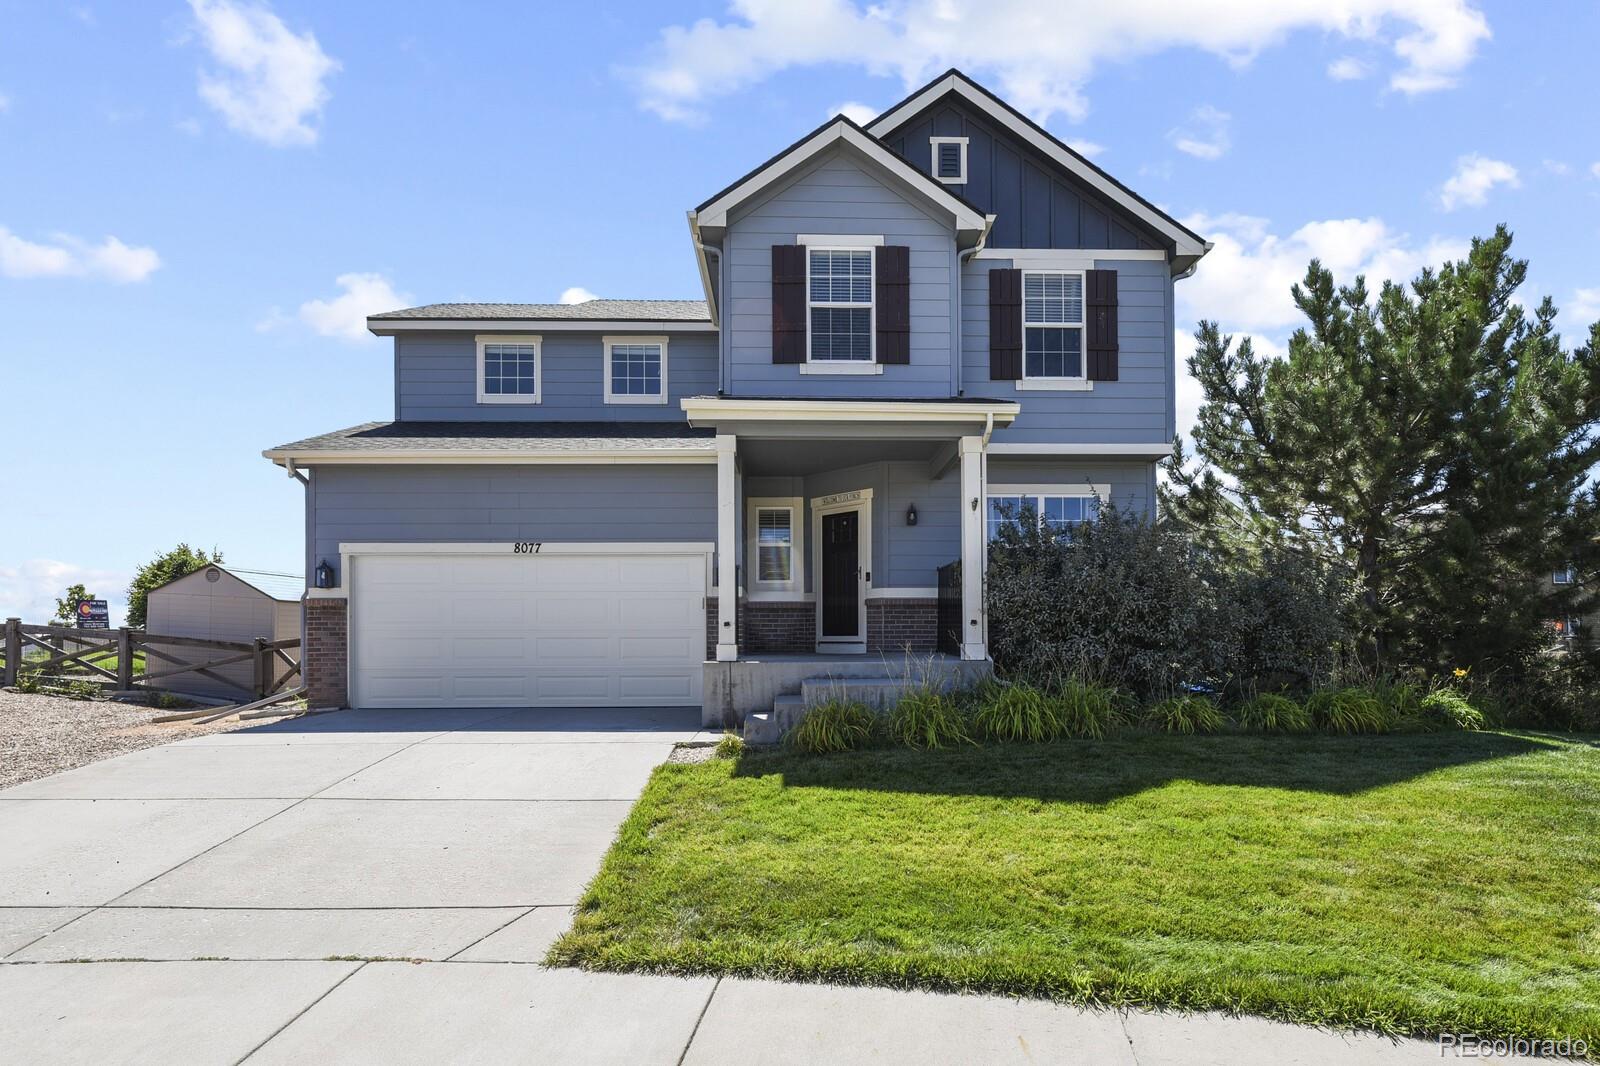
(950,159)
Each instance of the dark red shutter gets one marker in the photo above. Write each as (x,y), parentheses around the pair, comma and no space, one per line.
(1100,310)
(893,268)
(1005,325)
(788,303)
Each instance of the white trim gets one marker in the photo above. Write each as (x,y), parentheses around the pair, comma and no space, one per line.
(606,344)
(327,594)
(1185,243)
(484,339)
(833,365)
(452,457)
(1078,382)
(1071,258)
(840,240)
(839,366)
(715,214)
(754,586)
(711,407)
(961,177)
(903,594)
(565,547)
(388,327)
(1077,488)
(860,501)
(1150,450)
(727,548)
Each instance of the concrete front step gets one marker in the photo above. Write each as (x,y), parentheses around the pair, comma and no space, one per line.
(878,693)
(768,727)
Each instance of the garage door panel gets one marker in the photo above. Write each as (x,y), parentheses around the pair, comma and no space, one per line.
(552,628)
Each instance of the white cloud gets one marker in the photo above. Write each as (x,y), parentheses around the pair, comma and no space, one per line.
(29,589)
(1206,135)
(1243,284)
(65,256)
(1475,176)
(1584,307)
(1557,167)
(345,316)
(855,111)
(270,84)
(1089,149)
(5,103)
(1594,170)
(1348,68)
(577,295)
(1041,63)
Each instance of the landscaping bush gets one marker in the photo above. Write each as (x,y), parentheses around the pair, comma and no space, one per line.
(927,718)
(1347,710)
(1399,702)
(1184,713)
(731,746)
(1018,712)
(1086,709)
(834,725)
(1271,712)
(1279,622)
(1445,708)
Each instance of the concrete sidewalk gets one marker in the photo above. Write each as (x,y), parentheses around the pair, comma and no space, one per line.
(377,887)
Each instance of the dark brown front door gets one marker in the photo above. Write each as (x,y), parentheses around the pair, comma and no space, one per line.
(841,575)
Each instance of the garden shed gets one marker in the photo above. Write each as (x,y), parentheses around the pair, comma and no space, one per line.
(222,603)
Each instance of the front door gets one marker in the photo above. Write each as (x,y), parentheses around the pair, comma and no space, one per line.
(841,576)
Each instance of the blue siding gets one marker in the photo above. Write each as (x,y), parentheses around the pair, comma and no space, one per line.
(1138,407)
(351,504)
(435,380)
(1037,204)
(837,195)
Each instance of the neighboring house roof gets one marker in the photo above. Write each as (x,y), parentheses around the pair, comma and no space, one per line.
(273,584)
(693,315)
(1187,244)
(575,442)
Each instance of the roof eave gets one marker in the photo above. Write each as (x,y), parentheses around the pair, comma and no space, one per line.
(389,327)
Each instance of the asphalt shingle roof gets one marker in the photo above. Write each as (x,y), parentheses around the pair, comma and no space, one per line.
(608,310)
(511,437)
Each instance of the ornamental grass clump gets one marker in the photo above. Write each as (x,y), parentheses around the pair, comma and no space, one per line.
(731,746)
(1087,709)
(833,725)
(927,718)
(1271,712)
(1184,713)
(1018,711)
(1445,708)
(1347,710)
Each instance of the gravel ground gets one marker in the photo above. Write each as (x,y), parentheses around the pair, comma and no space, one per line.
(42,735)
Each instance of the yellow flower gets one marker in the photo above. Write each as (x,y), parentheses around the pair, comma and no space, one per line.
(1459,673)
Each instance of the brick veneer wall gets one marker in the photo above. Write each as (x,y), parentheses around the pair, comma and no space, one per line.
(778,626)
(903,625)
(326,663)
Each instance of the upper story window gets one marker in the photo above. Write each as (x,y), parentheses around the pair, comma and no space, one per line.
(636,369)
(1053,511)
(950,159)
(1052,325)
(839,290)
(509,369)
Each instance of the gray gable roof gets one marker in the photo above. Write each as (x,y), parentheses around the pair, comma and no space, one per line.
(598,310)
(379,438)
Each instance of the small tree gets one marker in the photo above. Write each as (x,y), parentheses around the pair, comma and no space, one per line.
(67,607)
(168,566)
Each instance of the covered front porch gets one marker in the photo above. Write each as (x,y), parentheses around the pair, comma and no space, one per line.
(850,543)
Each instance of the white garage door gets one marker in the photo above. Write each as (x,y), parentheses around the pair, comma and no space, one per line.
(527,630)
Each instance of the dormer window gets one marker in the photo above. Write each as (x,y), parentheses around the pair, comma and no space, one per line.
(509,369)
(950,160)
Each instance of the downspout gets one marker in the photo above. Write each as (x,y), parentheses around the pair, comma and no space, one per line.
(294,472)
(961,261)
(702,249)
(705,250)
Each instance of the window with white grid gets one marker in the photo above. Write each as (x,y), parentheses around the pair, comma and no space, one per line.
(636,369)
(839,289)
(1052,324)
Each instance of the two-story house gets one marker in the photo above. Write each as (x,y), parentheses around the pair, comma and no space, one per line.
(908,329)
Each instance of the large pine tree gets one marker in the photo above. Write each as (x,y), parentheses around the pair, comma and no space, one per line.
(1434,443)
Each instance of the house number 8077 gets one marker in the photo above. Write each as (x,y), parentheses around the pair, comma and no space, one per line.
(526,547)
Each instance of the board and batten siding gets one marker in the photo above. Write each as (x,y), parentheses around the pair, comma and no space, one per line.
(837,194)
(436,379)
(584,504)
(1136,408)
(225,609)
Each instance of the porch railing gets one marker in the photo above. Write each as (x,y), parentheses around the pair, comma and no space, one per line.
(950,608)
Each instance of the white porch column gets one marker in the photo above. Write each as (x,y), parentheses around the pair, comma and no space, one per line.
(973,515)
(727,548)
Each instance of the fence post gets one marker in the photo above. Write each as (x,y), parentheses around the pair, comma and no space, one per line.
(13,649)
(262,667)
(124,659)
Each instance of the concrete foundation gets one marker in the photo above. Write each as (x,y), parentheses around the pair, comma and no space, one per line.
(733,690)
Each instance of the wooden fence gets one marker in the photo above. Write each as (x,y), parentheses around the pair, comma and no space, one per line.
(91,652)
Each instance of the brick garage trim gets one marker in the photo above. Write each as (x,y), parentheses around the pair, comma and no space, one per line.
(777,626)
(326,662)
(902,625)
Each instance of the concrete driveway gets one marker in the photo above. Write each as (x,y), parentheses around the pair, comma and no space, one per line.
(371,887)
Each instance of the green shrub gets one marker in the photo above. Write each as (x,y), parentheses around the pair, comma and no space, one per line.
(731,746)
(1018,712)
(833,725)
(1273,713)
(1347,710)
(28,682)
(1399,701)
(928,718)
(80,690)
(1445,708)
(1086,709)
(1185,713)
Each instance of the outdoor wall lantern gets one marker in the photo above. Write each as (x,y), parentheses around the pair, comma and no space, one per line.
(324,575)
(911,515)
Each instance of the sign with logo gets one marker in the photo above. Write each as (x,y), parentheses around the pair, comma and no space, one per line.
(92,614)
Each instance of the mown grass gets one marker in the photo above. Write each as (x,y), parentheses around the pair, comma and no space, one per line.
(1410,884)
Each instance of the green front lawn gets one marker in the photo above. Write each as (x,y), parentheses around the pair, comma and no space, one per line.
(1446,882)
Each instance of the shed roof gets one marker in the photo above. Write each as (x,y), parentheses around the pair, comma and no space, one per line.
(596,310)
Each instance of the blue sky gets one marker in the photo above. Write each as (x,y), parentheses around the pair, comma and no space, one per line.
(200,201)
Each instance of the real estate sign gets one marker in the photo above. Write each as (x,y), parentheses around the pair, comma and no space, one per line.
(92,614)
